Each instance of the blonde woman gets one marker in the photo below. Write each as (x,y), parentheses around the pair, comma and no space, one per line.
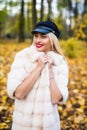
(38,81)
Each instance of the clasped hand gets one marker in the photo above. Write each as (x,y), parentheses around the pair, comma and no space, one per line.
(43,60)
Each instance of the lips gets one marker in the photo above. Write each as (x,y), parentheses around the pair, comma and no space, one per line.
(39,45)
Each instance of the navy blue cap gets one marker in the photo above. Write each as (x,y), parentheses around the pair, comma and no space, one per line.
(47,27)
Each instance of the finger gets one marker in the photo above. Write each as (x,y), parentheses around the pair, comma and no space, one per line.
(45,58)
(50,60)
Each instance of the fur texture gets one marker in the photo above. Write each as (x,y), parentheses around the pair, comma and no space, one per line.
(36,111)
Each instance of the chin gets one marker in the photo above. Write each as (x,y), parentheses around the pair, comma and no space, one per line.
(40,49)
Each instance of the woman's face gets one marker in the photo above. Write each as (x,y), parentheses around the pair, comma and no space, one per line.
(42,42)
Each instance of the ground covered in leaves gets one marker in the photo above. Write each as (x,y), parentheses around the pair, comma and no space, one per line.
(73,114)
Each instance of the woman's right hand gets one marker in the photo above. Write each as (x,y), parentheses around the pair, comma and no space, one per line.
(41,62)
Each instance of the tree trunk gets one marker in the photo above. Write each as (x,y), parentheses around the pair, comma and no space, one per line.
(42,11)
(76,10)
(21,23)
(0,30)
(49,9)
(70,9)
(28,20)
(85,7)
(34,14)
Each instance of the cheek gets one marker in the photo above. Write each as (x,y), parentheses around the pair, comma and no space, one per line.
(48,43)
(34,40)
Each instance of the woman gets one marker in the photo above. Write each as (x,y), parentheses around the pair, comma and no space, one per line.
(38,81)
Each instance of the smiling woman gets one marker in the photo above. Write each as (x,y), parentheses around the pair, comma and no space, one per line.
(42,42)
(38,81)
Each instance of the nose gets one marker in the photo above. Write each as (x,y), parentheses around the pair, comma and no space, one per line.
(38,38)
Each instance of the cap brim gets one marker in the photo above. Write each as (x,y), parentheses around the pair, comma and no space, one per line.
(40,30)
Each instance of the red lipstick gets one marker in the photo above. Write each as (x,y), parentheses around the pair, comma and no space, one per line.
(39,45)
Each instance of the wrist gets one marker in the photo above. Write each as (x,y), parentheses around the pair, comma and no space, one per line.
(39,69)
(51,75)
(51,71)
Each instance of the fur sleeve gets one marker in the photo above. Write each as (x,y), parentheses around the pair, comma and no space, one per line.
(16,74)
(62,80)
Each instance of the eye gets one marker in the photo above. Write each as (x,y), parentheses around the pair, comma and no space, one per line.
(43,36)
(35,35)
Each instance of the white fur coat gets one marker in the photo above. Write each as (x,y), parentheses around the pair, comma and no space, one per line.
(36,111)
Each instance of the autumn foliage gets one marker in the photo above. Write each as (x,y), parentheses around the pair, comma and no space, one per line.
(73,114)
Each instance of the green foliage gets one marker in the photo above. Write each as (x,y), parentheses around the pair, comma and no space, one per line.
(70,47)
(13,4)
(80,30)
(9,20)
(11,26)
(2,16)
(62,3)
(59,22)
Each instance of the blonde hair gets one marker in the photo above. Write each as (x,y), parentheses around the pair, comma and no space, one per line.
(55,44)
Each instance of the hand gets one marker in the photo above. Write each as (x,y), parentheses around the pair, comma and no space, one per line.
(41,61)
(44,58)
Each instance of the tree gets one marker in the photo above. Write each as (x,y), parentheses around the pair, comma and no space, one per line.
(3,15)
(42,10)
(29,7)
(34,13)
(67,5)
(70,10)
(21,22)
(49,9)
(85,7)
(75,10)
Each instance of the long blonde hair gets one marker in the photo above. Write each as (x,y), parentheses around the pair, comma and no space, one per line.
(55,44)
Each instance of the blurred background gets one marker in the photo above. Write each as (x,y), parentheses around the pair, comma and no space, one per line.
(17,19)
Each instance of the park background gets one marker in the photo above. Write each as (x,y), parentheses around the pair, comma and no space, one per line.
(17,19)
